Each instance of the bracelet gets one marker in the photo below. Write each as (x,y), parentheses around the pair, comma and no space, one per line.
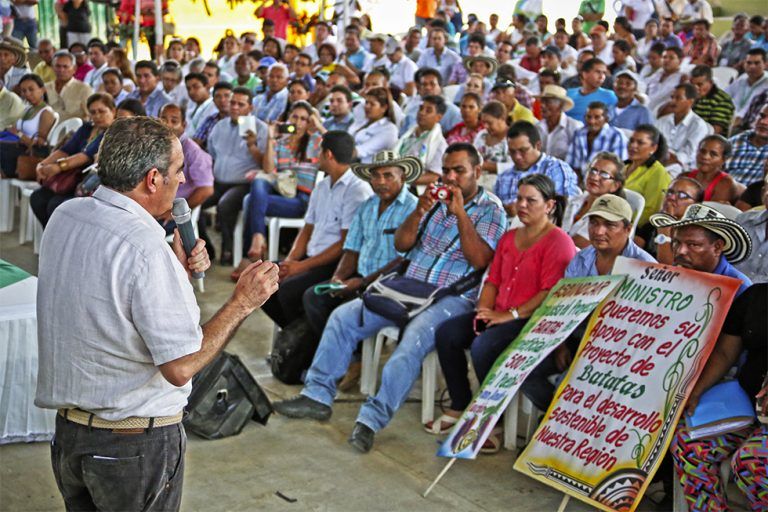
(62,163)
(515,313)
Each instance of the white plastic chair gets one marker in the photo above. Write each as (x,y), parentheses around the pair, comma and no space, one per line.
(62,129)
(7,206)
(26,224)
(637,202)
(723,76)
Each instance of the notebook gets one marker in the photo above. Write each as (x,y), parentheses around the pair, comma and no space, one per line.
(723,408)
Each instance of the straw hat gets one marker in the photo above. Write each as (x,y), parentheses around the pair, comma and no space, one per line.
(16,47)
(411,166)
(469,61)
(715,217)
(558,93)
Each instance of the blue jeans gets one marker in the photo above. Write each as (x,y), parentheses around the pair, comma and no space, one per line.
(265,202)
(26,27)
(349,324)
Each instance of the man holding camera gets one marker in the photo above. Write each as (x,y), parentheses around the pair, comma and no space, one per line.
(446,240)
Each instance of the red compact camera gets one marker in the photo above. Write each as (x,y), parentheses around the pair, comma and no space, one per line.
(440,192)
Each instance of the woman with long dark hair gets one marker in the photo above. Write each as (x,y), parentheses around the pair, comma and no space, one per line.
(645,173)
(529,261)
(378,131)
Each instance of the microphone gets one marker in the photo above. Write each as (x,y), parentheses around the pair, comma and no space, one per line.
(182,215)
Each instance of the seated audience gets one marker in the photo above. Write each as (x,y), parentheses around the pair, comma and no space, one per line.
(682,129)
(504,91)
(752,82)
(298,152)
(112,84)
(702,49)
(379,131)
(318,247)
(402,70)
(233,157)
(67,95)
(713,104)
(491,142)
(78,152)
(482,224)
(222,94)
(172,82)
(429,83)
(97,54)
(734,51)
(147,91)
(244,75)
(592,74)
(130,108)
(31,128)
(524,145)
(595,137)
(630,112)
(557,129)
(269,105)
(604,175)
(645,174)
(470,124)
(425,140)
(755,223)
(529,261)
(698,461)
(710,160)
(369,245)
(13,63)
(198,166)
(44,68)
(662,83)
(82,65)
(200,104)
(11,107)
(340,110)
(750,151)
(682,193)
(437,55)
(610,226)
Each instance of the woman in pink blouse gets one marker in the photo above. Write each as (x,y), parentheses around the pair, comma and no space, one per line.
(529,261)
(470,124)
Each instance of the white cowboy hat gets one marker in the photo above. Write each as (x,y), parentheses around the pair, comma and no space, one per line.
(411,166)
(558,93)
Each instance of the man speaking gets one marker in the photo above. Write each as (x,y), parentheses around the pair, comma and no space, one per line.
(118,327)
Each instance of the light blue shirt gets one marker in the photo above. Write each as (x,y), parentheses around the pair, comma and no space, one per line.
(373,235)
(332,208)
(155,101)
(564,178)
(369,140)
(231,158)
(581,102)
(635,114)
(342,124)
(451,118)
(444,63)
(609,139)
(268,109)
(583,264)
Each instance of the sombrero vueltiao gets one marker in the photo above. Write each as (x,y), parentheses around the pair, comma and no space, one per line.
(411,166)
(16,47)
(712,216)
(468,61)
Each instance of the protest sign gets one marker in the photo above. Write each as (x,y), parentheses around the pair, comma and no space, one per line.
(615,413)
(566,306)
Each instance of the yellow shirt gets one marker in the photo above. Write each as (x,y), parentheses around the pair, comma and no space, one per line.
(520,113)
(44,71)
(650,182)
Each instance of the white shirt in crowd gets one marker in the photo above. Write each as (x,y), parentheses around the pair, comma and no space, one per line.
(557,142)
(683,139)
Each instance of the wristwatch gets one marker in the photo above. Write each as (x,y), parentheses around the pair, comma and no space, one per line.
(515,313)
(62,163)
(662,239)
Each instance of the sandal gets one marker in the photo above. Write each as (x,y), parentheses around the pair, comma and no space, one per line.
(235,275)
(441,425)
(493,443)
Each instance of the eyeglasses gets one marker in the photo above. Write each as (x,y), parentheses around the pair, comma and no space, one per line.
(603,175)
(679,194)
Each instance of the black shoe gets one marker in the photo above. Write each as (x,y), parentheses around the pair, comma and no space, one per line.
(361,438)
(303,407)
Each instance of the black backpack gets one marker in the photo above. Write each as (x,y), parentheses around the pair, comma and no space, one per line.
(224,397)
(293,351)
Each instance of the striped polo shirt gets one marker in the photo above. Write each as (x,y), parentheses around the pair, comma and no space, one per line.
(716,108)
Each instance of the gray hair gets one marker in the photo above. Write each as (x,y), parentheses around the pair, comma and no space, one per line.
(279,65)
(64,53)
(131,147)
(171,66)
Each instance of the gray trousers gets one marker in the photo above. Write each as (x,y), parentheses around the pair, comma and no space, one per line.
(100,469)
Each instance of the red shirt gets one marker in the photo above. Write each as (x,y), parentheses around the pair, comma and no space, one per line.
(519,275)
(531,64)
(281,16)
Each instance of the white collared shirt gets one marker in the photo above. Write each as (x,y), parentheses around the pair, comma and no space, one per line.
(93,77)
(113,304)
(196,114)
(369,140)
(557,142)
(683,139)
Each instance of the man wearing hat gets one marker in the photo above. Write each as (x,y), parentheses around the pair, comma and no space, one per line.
(412,44)
(318,247)
(460,70)
(11,107)
(377,45)
(629,111)
(13,63)
(438,55)
(504,91)
(446,240)
(610,225)
(557,129)
(402,70)
(369,245)
(708,239)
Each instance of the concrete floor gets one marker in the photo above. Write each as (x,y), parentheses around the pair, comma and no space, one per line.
(307,461)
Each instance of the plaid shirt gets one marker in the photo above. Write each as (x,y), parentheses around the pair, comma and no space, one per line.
(373,235)
(609,139)
(705,51)
(437,257)
(204,130)
(747,161)
(566,182)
